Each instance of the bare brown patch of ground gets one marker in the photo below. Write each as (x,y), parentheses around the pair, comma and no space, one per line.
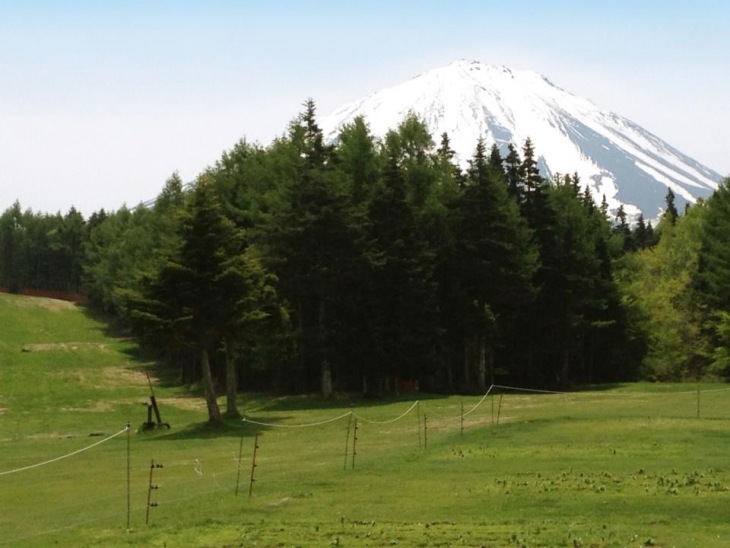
(187,403)
(49,435)
(69,346)
(100,406)
(107,377)
(39,302)
(128,375)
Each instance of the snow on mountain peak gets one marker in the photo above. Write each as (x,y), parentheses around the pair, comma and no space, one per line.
(466,99)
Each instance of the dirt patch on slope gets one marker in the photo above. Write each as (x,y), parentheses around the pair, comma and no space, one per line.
(187,403)
(39,302)
(127,375)
(70,346)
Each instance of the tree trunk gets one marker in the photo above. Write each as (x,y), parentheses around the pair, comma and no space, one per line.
(482,362)
(214,413)
(325,368)
(231,381)
(326,379)
(565,369)
(467,363)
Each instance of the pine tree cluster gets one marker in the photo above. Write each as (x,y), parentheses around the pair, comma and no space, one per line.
(379,265)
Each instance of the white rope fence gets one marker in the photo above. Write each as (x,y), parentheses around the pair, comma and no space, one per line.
(484,397)
(391,420)
(373,421)
(217,476)
(308,425)
(532,390)
(489,392)
(334,419)
(609,392)
(64,456)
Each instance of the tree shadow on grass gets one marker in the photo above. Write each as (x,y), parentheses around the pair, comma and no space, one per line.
(341,401)
(229,428)
(107,323)
(143,360)
(606,387)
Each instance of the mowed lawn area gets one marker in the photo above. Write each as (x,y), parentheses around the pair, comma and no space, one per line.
(626,465)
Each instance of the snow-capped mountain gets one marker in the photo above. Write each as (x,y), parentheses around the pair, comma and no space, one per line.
(613,156)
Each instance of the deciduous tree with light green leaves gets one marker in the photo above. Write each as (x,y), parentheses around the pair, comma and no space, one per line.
(656,289)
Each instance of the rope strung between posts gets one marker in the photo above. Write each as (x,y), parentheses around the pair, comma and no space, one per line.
(484,397)
(536,391)
(391,420)
(466,413)
(432,413)
(608,393)
(320,423)
(65,456)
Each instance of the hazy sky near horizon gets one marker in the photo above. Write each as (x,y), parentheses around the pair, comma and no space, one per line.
(100,104)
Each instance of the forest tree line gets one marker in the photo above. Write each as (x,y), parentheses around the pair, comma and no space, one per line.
(375,265)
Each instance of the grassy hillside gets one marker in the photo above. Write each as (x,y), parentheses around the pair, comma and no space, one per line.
(621,466)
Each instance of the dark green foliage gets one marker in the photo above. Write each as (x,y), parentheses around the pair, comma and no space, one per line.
(40,251)
(642,235)
(357,158)
(314,241)
(126,246)
(577,307)
(190,300)
(512,171)
(306,265)
(12,263)
(400,306)
(670,212)
(496,261)
(207,291)
(656,286)
(412,147)
(711,280)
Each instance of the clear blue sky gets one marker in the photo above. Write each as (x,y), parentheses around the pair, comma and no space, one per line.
(99,104)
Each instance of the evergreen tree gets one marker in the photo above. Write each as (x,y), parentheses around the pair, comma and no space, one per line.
(711,281)
(445,161)
(529,172)
(534,187)
(357,158)
(401,306)
(411,145)
(639,234)
(495,162)
(314,241)
(12,273)
(251,314)
(128,245)
(651,237)
(576,289)
(497,262)
(512,169)
(623,230)
(188,301)
(670,212)
(68,240)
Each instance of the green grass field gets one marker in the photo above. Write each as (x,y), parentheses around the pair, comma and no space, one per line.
(628,465)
